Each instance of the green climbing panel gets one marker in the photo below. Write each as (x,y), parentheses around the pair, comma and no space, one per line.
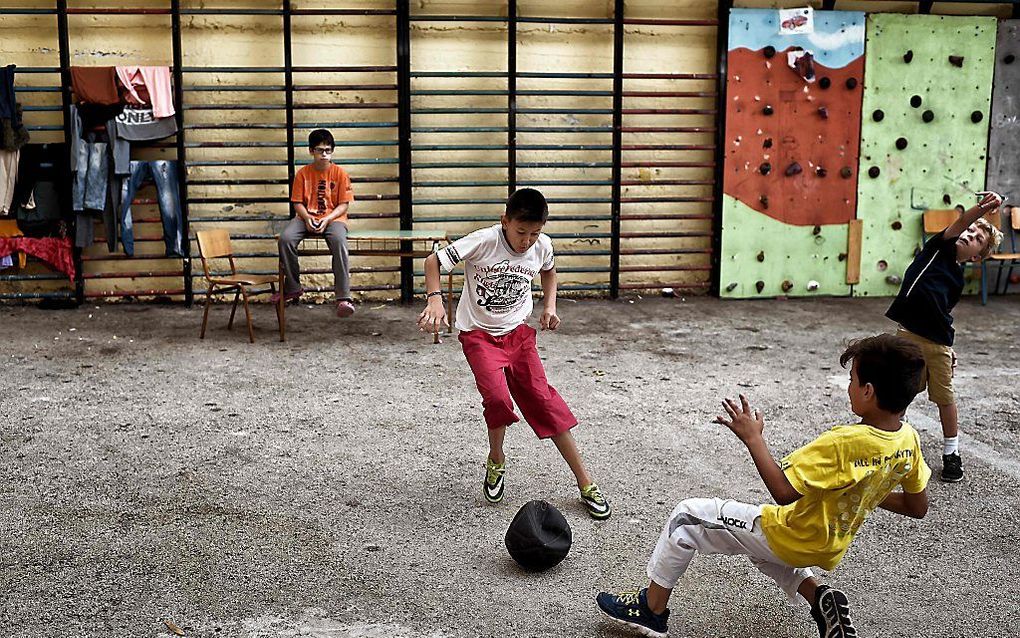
(924,131)
(759,251)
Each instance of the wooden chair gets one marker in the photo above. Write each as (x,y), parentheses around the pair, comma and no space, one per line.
(215,244)
(1009,259)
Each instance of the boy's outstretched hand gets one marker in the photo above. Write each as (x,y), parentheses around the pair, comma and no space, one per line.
(747,424)
(433,316)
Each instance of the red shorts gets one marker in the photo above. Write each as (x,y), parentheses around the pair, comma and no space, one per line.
(509,366)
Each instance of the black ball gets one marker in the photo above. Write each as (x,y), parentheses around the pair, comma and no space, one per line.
(873,172)
(878,115)
(539,537)
(901,143)
(915,101)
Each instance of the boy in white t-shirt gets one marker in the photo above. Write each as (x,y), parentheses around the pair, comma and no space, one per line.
(500,263)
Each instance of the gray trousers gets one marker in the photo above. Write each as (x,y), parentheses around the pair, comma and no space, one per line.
(336,239)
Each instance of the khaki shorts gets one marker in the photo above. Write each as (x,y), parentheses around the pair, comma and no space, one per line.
(939,361)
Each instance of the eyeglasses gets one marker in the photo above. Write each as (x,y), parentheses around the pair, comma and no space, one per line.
(322,151)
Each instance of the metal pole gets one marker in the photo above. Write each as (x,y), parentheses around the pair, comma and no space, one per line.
(511,86)
(614,252)
(288,88)
(404,141)
(65,94)
(722,48)
(182,159)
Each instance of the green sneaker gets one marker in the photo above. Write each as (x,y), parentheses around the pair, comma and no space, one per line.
(492,488)
(593,499)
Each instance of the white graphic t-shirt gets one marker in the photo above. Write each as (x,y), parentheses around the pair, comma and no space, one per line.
(497,280)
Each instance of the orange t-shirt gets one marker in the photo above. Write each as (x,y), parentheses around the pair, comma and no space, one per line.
(322,191)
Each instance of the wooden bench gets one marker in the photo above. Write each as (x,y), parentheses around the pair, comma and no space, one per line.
(380,243)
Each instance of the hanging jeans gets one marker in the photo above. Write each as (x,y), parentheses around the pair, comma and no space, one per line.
(91,177)
(164,174)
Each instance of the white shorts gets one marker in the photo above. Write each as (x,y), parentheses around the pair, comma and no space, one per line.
(715,526)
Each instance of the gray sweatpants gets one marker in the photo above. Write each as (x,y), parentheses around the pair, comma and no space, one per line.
(336,238)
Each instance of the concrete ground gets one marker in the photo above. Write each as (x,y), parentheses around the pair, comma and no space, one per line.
(329,486)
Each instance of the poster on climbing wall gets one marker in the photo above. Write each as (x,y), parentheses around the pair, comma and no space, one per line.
(796,21)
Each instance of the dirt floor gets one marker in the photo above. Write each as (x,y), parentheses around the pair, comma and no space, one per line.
(329,486)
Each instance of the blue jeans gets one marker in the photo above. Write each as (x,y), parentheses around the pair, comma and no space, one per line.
(90,180)
(164,174)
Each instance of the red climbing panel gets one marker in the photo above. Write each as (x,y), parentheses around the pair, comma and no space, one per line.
(792,145)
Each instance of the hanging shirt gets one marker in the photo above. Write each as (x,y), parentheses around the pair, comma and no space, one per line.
(322,191)
(497,279)
(843,475)
(156,80)
(95,84)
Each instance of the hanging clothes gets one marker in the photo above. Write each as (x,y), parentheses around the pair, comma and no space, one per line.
(156,80)
(138,124)
(41,201)
(8,179)
(164,174)
(7,100)
(95,85)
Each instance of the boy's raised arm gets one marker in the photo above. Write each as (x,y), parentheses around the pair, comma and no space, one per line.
(749,426)
(990,201)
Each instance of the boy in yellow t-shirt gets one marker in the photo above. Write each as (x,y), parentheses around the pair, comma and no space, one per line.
(824,492)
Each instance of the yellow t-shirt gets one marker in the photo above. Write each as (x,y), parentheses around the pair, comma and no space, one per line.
(843,475)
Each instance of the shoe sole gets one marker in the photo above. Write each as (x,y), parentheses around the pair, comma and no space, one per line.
(839,599)
(950,480)
(641,629)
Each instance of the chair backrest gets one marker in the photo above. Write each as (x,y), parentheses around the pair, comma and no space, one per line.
(937,220)
(213,244)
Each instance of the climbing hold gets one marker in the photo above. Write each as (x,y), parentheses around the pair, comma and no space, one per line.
(760,256)
(901,143)
(787,285)
(765,168)
(908,56)
(851,83)
(845,172)
(896,225)
(764,201)
(731,287)
(873,172)
(882,265)
(794,169)
(878,115)
(816,230)
(893,280)
(821,172)
(824,83)
(947,200)
(813,285)
(915,101)
(767,143)
(842,256)
(976,116)
(956,60)
(1009,59)
(769,51)
(927,116)
(767,110)
(824,112)
(759,286)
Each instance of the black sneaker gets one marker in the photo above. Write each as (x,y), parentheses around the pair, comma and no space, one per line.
(630,608)
(831,612)
(952,468)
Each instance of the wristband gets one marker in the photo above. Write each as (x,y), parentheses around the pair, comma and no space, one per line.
(433,294)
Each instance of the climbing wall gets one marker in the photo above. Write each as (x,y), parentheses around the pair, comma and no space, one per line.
(1004,138)
(928,82)
(790,175)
